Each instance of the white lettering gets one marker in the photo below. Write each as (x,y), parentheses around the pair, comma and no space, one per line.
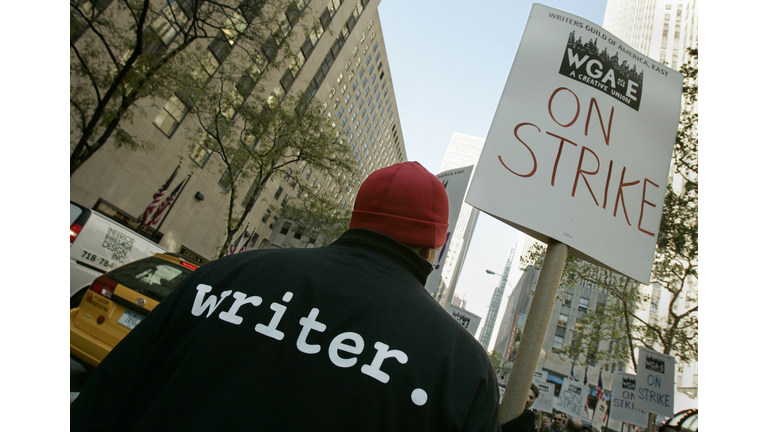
(279,309)
(337,344)
(591,68)
(240,299)
(631,89)
(198,307)
(308,324)
(610,77)
(573,59)
(374,369)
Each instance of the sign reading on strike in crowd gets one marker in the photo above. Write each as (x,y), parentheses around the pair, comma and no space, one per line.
(546,400)
(624,401)
(580,146)
(467,319)
(572,397)
(599,418)
(455,182)
(655,382)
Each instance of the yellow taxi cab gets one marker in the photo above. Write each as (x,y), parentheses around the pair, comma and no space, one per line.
(118,300)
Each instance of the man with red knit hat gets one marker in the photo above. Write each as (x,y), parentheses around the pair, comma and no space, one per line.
(338,338)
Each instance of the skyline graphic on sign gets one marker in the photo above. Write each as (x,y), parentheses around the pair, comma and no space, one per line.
(598,69)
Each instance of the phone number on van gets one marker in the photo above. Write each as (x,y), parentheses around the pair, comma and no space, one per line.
(92,257)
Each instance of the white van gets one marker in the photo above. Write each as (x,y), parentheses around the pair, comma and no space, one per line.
(97,245)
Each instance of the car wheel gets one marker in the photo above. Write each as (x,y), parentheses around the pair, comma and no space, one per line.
(74,301)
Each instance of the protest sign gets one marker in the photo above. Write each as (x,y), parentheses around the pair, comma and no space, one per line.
(546,400)
(572,397)
(467,319)
(623,400)
(580,146)
(455,182)
(655,382)
(599,415)
(540,377)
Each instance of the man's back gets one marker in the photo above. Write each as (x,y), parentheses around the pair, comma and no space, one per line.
(337,338)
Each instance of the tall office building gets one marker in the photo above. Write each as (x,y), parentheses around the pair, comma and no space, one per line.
(662,30)
(493,308)
(572,302)
(342,62)
(463,150)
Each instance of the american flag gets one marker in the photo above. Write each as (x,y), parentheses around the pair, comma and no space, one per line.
(231,249)
(156,198)
(168,201)
(245,243)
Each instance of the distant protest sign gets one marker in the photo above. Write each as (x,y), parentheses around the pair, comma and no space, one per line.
(580,146)
(572,397)
(623,401)
(455,182)
(467,319)
(656,382)
(546,400)
(600,417)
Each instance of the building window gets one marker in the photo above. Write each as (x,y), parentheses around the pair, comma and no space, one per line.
(299,232)
(584,303)
(567,296)
(266,216)
(250,193)
(287,81)
(169,21)
(170,116)
(286,227)
(276,96)
(279,192)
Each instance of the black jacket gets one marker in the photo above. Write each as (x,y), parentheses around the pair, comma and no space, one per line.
(525,422)
(338,338)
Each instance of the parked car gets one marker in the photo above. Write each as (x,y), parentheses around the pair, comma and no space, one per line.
(118,300)
(98,244)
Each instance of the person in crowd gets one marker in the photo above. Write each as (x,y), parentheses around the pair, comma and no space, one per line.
(525,422)
(558,423)
(574,425)
(342,337)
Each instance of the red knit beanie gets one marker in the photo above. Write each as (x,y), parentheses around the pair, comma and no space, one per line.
(405,202)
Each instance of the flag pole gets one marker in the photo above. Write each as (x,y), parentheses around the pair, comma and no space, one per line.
(171,207)
(532,340)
